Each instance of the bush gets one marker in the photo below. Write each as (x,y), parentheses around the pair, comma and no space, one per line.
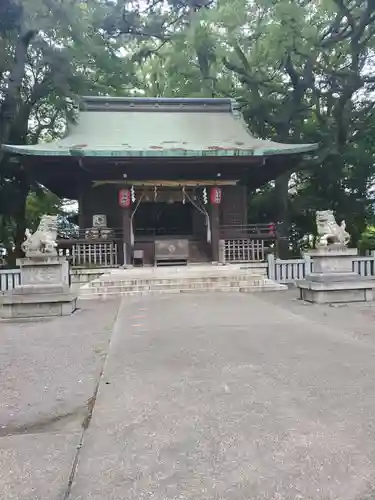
(367,239)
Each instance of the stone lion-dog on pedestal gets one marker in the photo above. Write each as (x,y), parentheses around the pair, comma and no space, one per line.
(329,231)
(42,243)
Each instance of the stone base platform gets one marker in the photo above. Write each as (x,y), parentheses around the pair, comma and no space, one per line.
(45,290)
(333,280)
(330,291)
(44,305)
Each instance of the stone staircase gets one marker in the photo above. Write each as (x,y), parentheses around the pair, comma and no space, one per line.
(200,278)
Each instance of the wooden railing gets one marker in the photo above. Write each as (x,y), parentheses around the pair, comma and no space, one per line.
(92,247)
(90,253)
(245,242)
(265,231)
(241,250)
(94,234)
(95,247)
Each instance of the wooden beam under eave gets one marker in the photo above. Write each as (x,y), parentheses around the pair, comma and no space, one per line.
(158,183)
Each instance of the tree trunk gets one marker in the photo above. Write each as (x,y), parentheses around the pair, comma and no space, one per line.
(282,204)
(11,103)
(19,217)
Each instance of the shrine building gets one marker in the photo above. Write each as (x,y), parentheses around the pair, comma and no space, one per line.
(160,180)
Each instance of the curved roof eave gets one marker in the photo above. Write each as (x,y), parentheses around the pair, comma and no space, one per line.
(158,127)
(37,150)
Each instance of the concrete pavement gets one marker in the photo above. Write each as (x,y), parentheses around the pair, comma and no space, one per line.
(229,397)
(49,372)
(204,396)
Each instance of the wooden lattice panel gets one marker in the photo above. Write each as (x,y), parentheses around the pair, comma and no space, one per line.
(94,254)
(242,250)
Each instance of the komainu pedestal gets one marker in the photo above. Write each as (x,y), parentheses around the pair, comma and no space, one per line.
(333,279)
(44,291)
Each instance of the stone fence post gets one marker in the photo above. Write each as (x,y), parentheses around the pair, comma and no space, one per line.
(308,264)
(271,266)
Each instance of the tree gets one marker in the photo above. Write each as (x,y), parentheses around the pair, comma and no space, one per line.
(301,70)
(51,54)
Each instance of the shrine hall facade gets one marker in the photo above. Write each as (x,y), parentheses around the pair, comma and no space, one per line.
(159,179)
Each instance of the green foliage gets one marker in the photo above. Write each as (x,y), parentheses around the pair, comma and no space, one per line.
(367,240)
(38,203)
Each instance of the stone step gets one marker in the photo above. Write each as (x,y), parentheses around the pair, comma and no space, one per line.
(180,280)
(171,286)
(177,282)
(176,287)
(254,289)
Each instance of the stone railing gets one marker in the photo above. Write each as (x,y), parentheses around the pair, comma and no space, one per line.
(9,278)
(290,270)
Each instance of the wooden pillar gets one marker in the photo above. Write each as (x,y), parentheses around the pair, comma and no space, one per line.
(126,250)
(84,220)
(81,217)
(215,236)
(245,205)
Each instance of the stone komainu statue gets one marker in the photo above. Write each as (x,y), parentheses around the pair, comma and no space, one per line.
(43,241)
(329,231)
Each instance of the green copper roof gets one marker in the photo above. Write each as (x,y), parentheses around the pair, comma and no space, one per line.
(145,127)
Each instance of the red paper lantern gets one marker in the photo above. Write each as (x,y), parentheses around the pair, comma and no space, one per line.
(272,229)
(215,196)
(124,198)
